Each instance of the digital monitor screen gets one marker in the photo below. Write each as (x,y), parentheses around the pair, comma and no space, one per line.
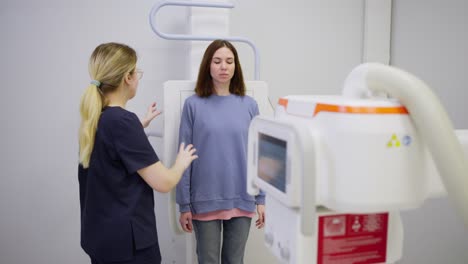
(272,161)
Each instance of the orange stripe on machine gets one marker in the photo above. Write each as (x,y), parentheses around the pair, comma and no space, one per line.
(320,107)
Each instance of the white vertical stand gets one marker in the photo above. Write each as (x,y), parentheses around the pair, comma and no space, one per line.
(206,22)
(377,31)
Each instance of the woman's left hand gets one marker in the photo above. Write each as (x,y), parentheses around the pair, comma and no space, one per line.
(261,216)
(150,114)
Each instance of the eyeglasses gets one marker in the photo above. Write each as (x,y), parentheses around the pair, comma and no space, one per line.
(139,73)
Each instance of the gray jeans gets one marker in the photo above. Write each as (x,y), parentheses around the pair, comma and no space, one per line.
(234,232)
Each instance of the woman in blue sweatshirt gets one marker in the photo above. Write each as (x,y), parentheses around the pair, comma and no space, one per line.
(212,194)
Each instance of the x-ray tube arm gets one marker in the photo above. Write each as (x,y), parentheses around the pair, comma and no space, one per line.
(429,117)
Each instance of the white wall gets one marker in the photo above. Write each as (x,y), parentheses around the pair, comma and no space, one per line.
(45,46)
(430,40)
(306,47)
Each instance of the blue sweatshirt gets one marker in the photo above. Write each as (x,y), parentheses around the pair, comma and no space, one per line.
(218,128)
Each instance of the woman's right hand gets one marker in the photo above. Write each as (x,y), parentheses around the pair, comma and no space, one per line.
(185,221)
(185,156)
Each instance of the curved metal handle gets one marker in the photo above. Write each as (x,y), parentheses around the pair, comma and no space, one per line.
(159,5)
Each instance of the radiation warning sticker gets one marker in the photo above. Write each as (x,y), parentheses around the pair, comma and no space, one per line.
(393,142)
(352,239)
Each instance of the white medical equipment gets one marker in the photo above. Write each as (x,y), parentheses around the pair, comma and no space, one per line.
(338,169)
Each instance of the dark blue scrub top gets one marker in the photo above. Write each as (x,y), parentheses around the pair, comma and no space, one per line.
(117,206)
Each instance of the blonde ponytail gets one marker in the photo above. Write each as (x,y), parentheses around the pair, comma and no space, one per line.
(90,110)
(107,67)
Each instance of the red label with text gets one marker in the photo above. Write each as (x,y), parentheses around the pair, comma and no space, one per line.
(352,239)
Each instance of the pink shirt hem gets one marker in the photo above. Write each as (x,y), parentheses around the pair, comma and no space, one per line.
(222,215)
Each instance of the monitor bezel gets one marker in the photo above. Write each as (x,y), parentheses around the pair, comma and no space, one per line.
(284,132)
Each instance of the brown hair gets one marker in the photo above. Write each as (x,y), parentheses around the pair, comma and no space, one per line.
(204,86)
